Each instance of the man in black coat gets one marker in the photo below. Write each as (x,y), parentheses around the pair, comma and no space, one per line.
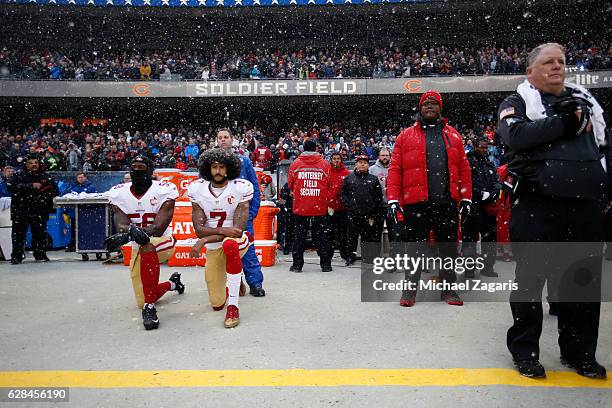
(362,196)
(482,218)
(32,200)
(554,131)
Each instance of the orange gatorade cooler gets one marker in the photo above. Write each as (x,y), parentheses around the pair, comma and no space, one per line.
(181,254)
(169,175)
(266,252)
(127,253)
(185,178)
(264,222)
(181,225)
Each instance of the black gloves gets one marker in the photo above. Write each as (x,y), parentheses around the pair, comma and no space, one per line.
(567,108)
(139,235)
(395,212)
(464,210)
(116,241)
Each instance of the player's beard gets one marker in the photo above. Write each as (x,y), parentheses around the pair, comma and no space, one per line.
(141,181)
(217,181)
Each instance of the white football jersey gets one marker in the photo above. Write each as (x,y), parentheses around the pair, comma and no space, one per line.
(142,210)
(220,209)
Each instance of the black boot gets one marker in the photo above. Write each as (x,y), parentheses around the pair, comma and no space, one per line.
(530,367)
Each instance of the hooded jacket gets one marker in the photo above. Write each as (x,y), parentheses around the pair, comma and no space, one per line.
(381,172)
(336,176)
(309,181)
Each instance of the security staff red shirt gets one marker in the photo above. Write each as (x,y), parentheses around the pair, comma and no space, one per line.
(309,182)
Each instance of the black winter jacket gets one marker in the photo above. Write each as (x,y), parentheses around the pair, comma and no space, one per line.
(361,194)
(27,200)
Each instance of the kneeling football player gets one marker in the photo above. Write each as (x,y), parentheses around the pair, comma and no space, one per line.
(220,211)
(142,211)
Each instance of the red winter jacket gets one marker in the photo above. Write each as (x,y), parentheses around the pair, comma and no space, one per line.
(407,179)
(309,182)
(335,186)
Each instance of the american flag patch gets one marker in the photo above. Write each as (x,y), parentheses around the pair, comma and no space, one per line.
(506,112)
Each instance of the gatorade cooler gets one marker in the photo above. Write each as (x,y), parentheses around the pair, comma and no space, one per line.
(171,175)
(181,225)
(266,252)
(185,178)
(127,253)
(181,254)
(265,221)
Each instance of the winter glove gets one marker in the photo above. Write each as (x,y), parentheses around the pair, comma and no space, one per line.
(567,109)
(139,235)
(330,211)
(116,241)
(464,210)
(485,195)
(395,212)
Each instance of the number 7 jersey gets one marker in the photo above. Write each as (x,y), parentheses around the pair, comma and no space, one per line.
(220,209)
(143,210)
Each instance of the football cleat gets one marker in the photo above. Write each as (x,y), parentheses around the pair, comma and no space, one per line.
(149,317)
(178,285)
(232,317)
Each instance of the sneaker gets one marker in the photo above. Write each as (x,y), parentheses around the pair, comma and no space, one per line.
(451,297)
(326,269)
(295,269)
(43,258)
(530,367)
(350,261)
(587,368)
(232,317)
(257,291)
(408,299)
(489,272)
(149,317)
(15,261)
(178,285)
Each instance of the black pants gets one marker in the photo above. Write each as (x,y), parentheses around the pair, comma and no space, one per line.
(38,227)
(320,237)
(419,219)
(369,227)
(537,218)
(484,224)
(339,232)
(285,229)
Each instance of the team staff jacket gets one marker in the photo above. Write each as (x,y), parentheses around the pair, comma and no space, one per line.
(309,182)
(362,193)
(407,179)
(336,176)
(547,154)
(484,178)
(28,200)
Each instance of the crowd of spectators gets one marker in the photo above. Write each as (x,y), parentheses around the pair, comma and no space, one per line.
(90,149)
(309,63)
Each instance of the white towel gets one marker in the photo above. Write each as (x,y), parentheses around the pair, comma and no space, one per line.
(536,110)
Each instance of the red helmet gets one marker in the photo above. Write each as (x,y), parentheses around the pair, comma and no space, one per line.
(266,179)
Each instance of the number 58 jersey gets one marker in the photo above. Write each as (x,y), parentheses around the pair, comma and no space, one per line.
(219,209)
(142,210)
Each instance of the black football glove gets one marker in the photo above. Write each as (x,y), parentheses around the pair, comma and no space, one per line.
(139,235)
(395,212)
(116,241)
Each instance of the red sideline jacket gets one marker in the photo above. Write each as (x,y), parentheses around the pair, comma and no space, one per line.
(335,186)
(407,179)
(309,182)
